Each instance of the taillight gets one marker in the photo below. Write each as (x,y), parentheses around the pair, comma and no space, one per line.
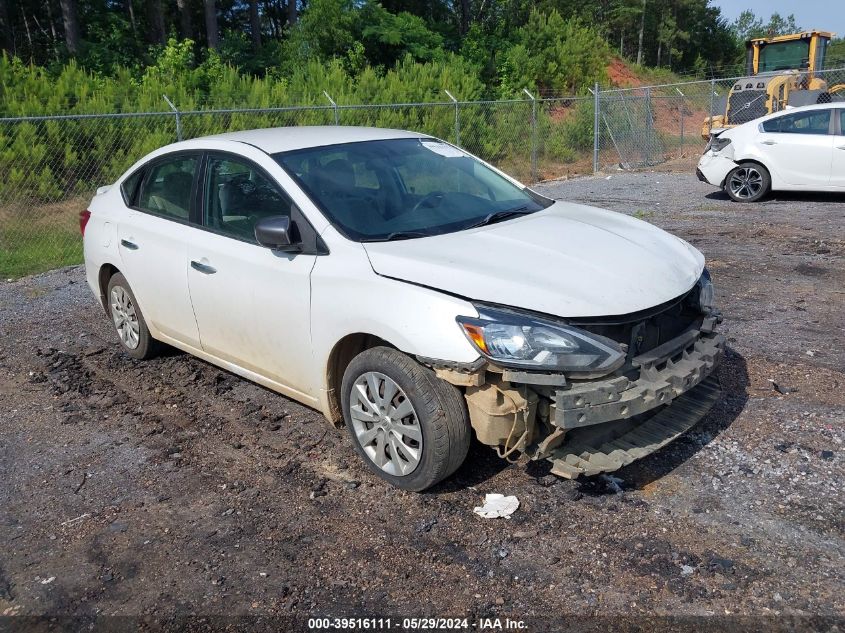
(84,216)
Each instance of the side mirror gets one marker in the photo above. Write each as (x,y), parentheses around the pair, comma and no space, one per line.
(278,232)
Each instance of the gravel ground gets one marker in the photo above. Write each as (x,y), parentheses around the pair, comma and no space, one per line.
(172,489)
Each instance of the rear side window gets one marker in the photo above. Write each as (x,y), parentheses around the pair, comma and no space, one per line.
(166,190)
(129,187)
(812,122)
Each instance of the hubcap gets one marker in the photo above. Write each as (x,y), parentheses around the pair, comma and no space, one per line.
(386,424)
(125,318)
(746,182)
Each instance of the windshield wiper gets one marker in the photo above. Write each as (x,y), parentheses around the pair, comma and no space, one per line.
(498,216)
(399,235)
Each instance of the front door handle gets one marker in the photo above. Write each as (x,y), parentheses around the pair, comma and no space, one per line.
(769,142)
(203,268)
(132,246)
(840,147)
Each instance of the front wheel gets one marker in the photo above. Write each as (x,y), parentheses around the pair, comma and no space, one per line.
(748,182)
(409,427)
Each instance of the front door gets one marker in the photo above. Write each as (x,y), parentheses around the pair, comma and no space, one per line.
(799,147)
(252,304)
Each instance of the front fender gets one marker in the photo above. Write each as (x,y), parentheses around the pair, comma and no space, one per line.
(348,297)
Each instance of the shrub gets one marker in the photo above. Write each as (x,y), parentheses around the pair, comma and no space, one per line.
(553,54)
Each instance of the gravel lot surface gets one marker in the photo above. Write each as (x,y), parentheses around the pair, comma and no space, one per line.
(170,488)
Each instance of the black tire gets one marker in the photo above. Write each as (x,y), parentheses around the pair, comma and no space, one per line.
(748,182)
(147,346)
(440,410)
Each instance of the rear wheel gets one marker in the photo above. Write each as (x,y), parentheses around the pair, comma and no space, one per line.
(128,320)
(409,427)
(748,182)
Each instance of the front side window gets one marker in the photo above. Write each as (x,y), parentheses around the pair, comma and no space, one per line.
(811,122)
(238,195)
(166,190)
(388,189)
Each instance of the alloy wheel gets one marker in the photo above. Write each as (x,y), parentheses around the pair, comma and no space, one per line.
(746,182)
(386,424)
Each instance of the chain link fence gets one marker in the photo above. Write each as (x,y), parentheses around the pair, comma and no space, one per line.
(50,166)
(655,125)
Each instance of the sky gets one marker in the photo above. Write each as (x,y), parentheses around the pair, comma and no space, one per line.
(826,15)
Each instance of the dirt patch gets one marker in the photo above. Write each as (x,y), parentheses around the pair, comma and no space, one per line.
(621,75)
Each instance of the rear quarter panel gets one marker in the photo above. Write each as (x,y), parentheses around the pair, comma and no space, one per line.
(100,244)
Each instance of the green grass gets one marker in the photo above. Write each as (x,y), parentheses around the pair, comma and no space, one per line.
(41,239)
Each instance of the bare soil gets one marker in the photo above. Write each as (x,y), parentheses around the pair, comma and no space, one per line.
(172,489)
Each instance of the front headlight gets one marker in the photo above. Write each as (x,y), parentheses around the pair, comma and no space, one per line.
(516,340)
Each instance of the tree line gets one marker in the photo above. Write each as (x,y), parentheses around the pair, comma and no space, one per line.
(551,45)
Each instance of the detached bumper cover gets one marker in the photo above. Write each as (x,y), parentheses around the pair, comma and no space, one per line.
(608,447)
(611,423)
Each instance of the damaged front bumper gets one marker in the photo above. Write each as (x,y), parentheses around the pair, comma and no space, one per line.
(605,425)
(665,373)
(589,426)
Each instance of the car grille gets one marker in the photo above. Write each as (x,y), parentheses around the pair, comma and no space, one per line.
(746,106)
(644,331)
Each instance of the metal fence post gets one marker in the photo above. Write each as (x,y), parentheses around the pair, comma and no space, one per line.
(649,121)
(596,129)
(712,94)
(457,118)
(334,105)
(534,174)
(681,108)
(178,118)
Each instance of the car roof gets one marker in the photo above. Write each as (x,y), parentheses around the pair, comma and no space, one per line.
(283,139)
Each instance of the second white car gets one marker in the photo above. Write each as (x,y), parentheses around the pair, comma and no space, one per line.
(798,149)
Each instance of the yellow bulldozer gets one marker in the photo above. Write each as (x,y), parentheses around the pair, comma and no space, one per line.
(781,71)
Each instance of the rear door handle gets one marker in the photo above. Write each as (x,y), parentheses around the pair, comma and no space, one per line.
(769,142)
(203,268)
(840,147)
(132,246)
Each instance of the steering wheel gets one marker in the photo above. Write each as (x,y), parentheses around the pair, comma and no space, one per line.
(428,199)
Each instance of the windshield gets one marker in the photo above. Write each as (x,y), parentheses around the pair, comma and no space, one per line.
(784,56)
(405,188)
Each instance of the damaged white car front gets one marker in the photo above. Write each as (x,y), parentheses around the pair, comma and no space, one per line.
(590,394)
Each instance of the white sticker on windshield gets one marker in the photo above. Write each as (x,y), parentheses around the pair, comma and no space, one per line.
(443,149)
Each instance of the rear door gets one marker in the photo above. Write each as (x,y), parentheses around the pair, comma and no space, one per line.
(153,240)
(252,304)
(837,172)
(798,147)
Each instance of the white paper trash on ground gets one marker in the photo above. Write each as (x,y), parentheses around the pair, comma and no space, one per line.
(496,505)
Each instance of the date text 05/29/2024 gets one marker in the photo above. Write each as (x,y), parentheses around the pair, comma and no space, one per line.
(415,624)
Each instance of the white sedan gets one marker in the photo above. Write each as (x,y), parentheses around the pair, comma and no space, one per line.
(412,293)
(797,149)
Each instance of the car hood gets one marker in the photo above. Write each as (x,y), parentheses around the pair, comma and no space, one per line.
(568,260)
